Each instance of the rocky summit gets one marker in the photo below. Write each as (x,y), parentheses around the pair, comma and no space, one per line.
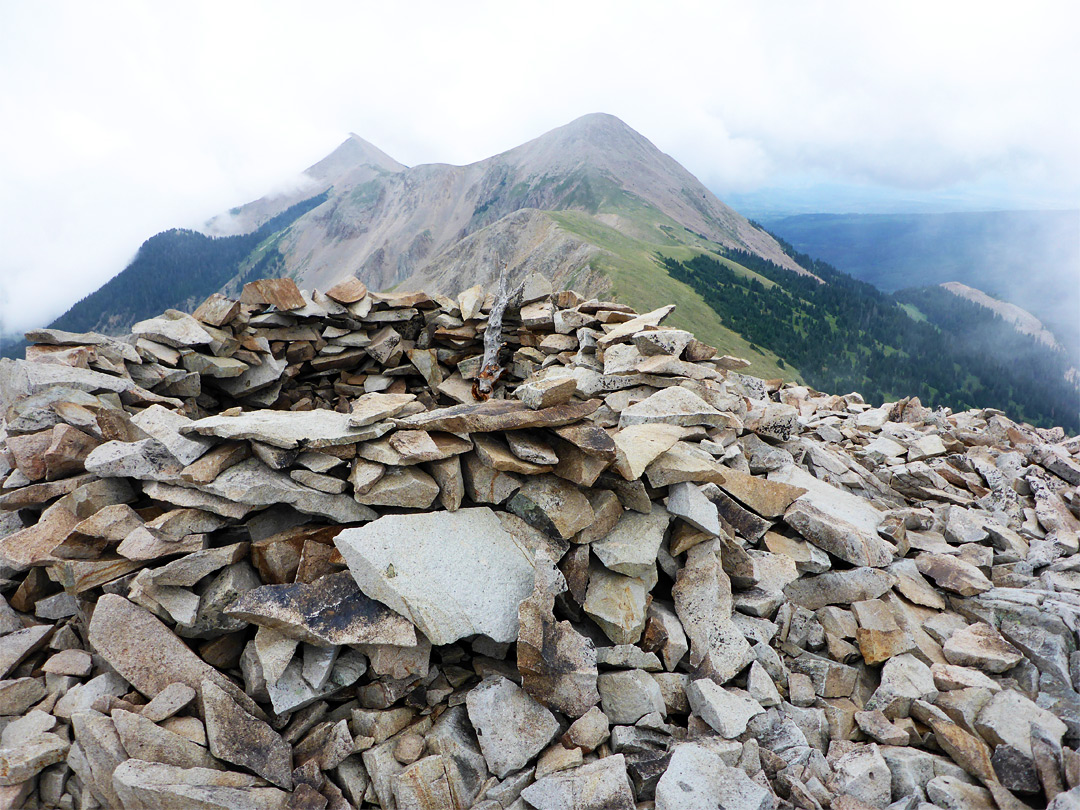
(275,555)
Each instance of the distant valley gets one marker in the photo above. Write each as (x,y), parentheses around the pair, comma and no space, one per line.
(1027,258)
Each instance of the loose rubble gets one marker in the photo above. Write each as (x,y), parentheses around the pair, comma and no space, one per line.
(275,555)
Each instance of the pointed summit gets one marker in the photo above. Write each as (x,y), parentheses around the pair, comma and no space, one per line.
(352,153)
(597,139)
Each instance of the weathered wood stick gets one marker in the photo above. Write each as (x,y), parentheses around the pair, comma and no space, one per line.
(490,369)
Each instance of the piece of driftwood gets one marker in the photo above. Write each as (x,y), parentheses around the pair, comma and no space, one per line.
(491,369)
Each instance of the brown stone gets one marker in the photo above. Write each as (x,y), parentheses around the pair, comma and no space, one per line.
(278,292)
(953,574)
(348,290)
(215,461)
(28,451)
(217,310)
(67,451)
(237,737)
(770,499)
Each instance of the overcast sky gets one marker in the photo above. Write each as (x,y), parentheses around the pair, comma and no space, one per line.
(122,119)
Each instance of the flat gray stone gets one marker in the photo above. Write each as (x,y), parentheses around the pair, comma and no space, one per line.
(727,711)
(146,460)
(285,429)
(833,501)
(686,501)
(512,727)
(402,487)
(257,379)
(980,645)
(864,775)
(253,483)
(173,328)
(697,779)
(1008,717)
(144,785)
(838,537)
(617,603)
(164,425)
(953,574)
(24,729)
(629,695)
(14,647)
(19,694)
(453,574)
(145,740)
(27,760)
(703,602)
(374,407)
(599,785)
(20,378)
(631,547)
(839,587)
(672,406)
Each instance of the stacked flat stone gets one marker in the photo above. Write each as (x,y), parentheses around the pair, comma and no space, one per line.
(273,554)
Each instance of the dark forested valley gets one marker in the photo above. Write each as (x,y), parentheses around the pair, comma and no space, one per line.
(845,335)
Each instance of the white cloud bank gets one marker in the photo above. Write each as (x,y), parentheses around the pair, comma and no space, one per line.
(122,119)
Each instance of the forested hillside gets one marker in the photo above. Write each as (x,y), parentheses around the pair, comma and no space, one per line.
(845,335)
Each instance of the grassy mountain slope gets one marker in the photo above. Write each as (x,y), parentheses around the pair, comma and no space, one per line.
(638,279)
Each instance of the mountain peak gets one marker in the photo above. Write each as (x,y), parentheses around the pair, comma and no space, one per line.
(598,121)
(354,151)
(601,130)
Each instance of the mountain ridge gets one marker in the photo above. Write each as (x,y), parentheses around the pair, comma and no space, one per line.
(385,221)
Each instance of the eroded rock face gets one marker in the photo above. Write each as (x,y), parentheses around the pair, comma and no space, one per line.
(288,542)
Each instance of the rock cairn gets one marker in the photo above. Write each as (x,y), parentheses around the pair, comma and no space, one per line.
(274,555)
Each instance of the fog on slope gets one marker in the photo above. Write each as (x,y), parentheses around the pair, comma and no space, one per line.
(1028,258)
